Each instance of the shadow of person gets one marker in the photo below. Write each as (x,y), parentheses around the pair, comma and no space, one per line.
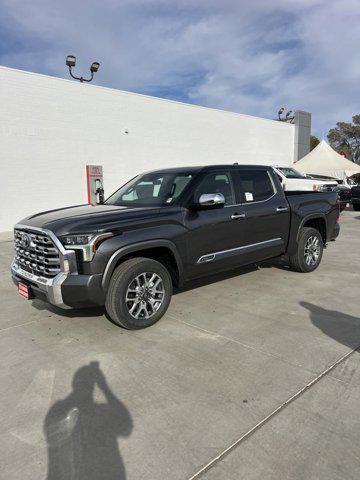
(340,326)
(82,435)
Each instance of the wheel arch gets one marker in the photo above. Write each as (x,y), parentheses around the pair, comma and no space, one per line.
(162,250)
(317,221)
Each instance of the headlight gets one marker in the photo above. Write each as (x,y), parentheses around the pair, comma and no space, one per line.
(76,240)
(87,243)
(326,188)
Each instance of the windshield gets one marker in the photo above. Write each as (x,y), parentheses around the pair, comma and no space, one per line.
(151,189)
(290,172)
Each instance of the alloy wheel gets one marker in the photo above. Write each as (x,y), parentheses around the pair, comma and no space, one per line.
(312,250)
(145,295)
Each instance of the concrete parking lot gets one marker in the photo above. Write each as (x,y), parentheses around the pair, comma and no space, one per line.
(83,399)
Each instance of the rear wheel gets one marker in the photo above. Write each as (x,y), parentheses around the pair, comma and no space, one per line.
(309,252)
(139,293)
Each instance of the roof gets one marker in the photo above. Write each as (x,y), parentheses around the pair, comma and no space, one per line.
(207,168)
(324,160)
(150,97)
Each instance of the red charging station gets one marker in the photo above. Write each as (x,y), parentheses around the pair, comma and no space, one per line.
(95,184)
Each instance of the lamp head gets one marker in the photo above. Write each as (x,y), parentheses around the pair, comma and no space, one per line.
(70,61)
(94,67)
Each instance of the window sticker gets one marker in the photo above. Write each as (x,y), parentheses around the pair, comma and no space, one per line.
(249,196)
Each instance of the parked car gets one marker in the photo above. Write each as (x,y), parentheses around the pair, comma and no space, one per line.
(292,180)
(355,197)
(164,228)
(345,195)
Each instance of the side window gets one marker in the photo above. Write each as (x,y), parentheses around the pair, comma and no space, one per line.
(179,185)
(256,185)
(216,183)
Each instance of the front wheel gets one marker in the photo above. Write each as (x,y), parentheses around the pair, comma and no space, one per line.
(139,293)
(356,208)
(309,251)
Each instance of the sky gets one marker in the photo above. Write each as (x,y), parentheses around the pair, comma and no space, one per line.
(250,56)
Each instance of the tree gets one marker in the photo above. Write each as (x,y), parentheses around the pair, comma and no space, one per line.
(314,142)
(346,137)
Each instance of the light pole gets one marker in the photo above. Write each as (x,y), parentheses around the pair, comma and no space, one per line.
(71,61)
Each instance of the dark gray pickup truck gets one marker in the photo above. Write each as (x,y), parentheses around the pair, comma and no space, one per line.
(162,229)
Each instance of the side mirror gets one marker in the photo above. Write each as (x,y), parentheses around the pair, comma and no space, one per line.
(209,200)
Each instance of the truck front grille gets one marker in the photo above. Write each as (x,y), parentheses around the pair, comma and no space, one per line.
(36,253)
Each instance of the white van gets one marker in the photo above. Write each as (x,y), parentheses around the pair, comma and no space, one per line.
(292,180)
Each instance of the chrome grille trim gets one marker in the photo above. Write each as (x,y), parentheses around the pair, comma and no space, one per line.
(51,286)
(36,253)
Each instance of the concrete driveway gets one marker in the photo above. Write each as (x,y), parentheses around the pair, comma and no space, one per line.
(247,363)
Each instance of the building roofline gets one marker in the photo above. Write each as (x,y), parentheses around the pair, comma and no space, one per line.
(150,97)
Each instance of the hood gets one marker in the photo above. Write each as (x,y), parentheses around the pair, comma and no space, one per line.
(323,182)
(88,218)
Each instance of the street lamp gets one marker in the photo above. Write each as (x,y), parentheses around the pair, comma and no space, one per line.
(71,61)
(288,117)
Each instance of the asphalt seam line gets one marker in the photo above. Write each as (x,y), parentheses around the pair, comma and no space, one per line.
(245,345)
(256,427)
(17,326)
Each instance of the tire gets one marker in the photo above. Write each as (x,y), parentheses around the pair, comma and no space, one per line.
(310,245)
(132,280)
(356,208)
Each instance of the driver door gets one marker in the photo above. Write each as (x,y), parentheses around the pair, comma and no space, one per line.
(214,230)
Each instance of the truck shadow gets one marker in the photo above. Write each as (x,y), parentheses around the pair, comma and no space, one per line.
(82,435)
(217,277)
(70,313)
(340,326)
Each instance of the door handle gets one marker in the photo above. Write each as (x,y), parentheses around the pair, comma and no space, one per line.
(281,209)
(235,216)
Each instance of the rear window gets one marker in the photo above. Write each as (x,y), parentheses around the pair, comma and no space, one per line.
(256,185)
(290,172)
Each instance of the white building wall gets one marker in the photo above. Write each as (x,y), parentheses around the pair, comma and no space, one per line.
(51,128)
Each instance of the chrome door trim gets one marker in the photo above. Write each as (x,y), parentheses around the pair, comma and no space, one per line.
(209,257)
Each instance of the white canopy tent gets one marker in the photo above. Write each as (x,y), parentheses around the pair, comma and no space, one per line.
(323,160)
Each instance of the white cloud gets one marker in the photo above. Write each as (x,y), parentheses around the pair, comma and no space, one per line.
(250,57)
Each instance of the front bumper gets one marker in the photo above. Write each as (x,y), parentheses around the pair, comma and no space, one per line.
(45,289)
(64,290)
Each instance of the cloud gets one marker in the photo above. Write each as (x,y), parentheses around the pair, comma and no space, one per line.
(250,57)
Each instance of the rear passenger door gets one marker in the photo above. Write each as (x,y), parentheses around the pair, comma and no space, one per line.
(267,213)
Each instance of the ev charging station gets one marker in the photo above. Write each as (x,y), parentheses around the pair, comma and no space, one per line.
(95,184)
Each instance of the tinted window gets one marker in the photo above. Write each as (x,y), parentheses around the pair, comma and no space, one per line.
(216,183)
(151,189)
(256,185)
